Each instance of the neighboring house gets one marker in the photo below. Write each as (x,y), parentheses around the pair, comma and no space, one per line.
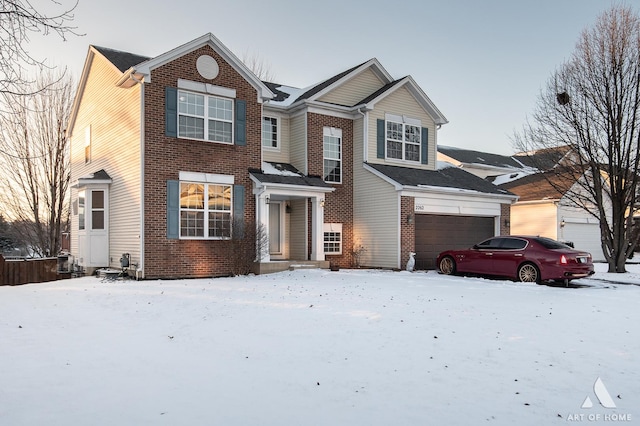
(482,164)
(169,153)
(544,209)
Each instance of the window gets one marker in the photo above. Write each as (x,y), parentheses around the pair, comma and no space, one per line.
(332,148)
(333,238)
(97,209)
(403,137)
(205,117)
(205,210)
(269,132)
(81,197)
(87,145)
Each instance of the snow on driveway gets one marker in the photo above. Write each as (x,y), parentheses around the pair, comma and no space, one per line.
(313,347)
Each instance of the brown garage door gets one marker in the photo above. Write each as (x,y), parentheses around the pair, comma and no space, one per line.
(437,233)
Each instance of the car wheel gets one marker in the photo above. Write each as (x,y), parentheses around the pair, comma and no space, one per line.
(528,273)
(447,265)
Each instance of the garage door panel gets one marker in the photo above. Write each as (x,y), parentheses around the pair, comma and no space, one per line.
(584,236)
(437,233)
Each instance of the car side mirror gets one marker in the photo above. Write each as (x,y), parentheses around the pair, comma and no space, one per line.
(475,247)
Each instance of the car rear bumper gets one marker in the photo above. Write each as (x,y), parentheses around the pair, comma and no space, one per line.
(571,274)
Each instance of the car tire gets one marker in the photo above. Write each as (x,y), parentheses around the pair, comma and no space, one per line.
(447,265)
(528,273)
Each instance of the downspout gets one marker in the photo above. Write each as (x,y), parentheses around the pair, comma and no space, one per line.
(140,268)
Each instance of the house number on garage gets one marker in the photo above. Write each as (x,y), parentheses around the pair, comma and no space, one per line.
(419,208)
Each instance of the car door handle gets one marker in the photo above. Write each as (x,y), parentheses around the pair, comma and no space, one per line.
(518,255)
(489,254)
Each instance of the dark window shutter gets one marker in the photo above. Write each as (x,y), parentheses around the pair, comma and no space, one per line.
(241,122)
(424,148)
(173,209)
(171,111)
(238,211)
(380,138)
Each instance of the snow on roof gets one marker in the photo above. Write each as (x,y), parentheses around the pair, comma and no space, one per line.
(270,169)
(293,92)
(510,177)
(444,165)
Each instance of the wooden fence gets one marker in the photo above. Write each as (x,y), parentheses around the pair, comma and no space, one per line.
(24,271)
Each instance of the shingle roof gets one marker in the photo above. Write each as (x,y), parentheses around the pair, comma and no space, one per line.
(122,60)
(540,186)
(448,177)
(287,176)
(476,157)
(280,95)
(544,159)
(378,92)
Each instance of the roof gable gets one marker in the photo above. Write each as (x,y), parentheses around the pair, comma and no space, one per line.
(412,87)
(210,40)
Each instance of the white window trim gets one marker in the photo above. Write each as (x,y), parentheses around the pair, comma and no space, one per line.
(334,132)
(206,208)
(207,178)
(332,227)
(206,116)
(404,120)
(210,89)
(278,125)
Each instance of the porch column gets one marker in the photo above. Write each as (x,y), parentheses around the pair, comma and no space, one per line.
(317,233)
(262,222)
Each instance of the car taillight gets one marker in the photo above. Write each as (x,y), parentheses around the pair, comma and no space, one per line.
(563,260)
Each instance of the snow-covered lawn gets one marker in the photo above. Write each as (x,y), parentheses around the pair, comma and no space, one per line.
(312,347)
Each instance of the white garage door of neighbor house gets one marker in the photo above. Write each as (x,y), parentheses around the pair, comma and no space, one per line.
(584,236)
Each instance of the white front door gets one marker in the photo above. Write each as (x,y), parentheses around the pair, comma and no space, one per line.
(275,228)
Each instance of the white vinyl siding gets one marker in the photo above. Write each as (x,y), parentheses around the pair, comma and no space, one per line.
(299,142)
(115,127)
(375,210)
(354,90)
(402,103)
(376,219)
(298,229)
(280,155)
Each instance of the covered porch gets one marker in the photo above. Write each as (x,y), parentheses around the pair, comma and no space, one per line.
(290,216)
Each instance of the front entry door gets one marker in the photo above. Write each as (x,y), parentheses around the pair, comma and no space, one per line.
(275,240)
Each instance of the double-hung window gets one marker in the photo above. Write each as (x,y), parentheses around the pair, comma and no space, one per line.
(205,117)
(332,238)
(403,138)
(332,154)
(205,210)
(269,132)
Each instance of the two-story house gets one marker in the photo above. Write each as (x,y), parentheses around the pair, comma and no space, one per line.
(170,154)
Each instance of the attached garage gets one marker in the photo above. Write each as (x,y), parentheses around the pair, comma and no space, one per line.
(436,233)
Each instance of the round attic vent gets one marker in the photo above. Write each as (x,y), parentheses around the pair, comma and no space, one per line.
(207,67)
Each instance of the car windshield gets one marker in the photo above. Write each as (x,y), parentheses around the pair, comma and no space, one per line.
(551,244)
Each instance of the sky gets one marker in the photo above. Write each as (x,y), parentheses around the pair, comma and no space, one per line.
(483,63)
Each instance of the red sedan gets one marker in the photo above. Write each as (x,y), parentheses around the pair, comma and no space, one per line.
(528,259)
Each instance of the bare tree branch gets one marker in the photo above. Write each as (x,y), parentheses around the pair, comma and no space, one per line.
(34,159)
(19,20)
(592,104)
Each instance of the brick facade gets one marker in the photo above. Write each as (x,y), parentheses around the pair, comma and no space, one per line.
(339,203)
(165,157)
(407,229)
